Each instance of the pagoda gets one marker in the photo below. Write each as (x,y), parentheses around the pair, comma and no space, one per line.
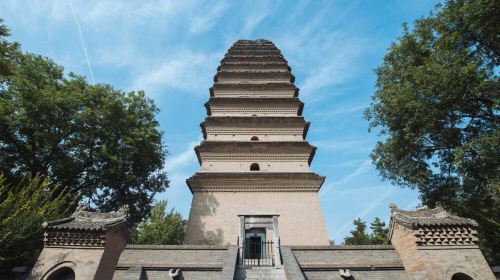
(255,183)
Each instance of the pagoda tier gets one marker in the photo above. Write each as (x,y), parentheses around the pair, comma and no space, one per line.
(251,181)
(273,90)
(253,58)
(267,156)
(253,76)
(272,51)
(260,66)
(254,107)
(256,128)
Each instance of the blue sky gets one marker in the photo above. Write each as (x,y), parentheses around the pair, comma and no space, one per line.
(171,50)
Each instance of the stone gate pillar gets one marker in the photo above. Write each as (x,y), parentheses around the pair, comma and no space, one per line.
(277,253)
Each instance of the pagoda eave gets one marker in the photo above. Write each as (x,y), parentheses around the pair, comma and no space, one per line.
(252,75)
(254,51)
(282,148)
(255,182)
(252,58)
(245,66)
(249,86)
(255,122)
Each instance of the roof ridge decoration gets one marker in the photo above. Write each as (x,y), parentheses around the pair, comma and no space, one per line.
(435,227)
(84,228)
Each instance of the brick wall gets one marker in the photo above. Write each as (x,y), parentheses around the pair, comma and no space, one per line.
(214,217)
(438,262)
(405,243)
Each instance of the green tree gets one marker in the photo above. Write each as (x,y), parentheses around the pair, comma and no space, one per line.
(380,232)
(23,209)
(360,236)
(437,107)
(161,228)
(6,50)
(98,143)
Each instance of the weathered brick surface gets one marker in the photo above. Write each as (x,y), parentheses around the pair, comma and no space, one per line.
(83,261)
(186,275)
(365,262)
(173,256)
(214,216)
(347,257)
(128,274)
(229,266)
(438,262)
(405,243)
(87,263)
(195,262)
(443,262)
(358,275)
(292,268)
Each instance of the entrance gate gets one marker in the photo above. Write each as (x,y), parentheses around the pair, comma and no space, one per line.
(259,241)
(256,252)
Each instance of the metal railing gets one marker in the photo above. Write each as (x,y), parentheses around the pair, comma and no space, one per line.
(255,252)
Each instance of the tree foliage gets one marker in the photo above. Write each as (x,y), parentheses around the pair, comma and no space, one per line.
(437,107)
(93,141)
(161,228)
(6,51)
(23,209)
(359,236)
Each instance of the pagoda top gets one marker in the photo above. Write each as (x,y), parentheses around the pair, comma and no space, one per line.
(256,42)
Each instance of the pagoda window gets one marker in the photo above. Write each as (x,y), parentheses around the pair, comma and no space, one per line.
(254,138)
(254,167)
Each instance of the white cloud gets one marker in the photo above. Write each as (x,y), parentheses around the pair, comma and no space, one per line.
(179,167)
(28,14)
(337,68)
(127,12)
(187,71)
(351,145)
(204,21)
(252,21)
(328,52)
(255,18)
(179,161)
(343,110)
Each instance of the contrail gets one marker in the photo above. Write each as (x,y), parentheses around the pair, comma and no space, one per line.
(372,205)
(81,41)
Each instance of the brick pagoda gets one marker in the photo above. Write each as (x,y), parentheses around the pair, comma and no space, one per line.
(254,158)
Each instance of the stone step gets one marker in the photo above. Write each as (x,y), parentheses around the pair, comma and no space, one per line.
(263,273)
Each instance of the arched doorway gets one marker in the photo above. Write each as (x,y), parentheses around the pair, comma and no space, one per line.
(63,273)
(461,276)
